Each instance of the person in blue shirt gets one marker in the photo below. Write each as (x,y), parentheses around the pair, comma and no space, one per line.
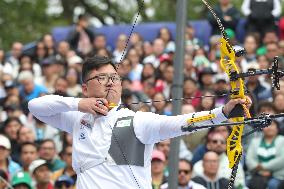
(28,88)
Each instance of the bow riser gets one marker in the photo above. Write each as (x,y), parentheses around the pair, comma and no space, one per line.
(227,63)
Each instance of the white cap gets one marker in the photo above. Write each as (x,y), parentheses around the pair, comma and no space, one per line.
(221,77)
(36,164)
(25,75)
(75,60)
(253,65)
(5,142)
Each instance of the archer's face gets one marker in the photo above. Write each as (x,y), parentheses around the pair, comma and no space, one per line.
(109,90)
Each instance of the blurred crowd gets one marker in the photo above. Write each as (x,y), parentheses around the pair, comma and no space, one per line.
(36,155)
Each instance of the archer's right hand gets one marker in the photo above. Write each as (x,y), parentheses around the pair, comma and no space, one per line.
(94,106)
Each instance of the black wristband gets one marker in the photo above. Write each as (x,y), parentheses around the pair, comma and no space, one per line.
(224,113)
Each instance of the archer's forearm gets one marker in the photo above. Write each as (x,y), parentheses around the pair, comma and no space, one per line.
(49,105)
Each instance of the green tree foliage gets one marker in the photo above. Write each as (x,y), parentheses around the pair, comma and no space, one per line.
(22,20)
(27,20)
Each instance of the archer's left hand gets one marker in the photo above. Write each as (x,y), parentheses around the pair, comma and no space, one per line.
(233,102)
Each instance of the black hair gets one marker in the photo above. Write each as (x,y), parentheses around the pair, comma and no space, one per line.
(83,17)
(100,35)
(266,104)
(190,79)
(94,63)
(28,143)
(10,119)
(188,162)
(63,151)
(3,174)
(47,140)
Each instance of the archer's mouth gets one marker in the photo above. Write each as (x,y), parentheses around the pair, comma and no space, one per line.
(110,90)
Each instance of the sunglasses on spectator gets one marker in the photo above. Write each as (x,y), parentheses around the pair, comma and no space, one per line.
(184,171)
(61,184)
(218,141)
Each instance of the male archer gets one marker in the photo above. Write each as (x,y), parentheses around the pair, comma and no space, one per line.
(112,147)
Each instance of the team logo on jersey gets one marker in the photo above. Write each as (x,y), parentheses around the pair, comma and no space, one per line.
(82,135)
(84,123)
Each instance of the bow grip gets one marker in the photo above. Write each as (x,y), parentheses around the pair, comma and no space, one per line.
(237,111)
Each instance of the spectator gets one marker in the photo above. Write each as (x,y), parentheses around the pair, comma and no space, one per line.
(49,70)
(207,103)
(6,163)
(201,149)
(164,85)
(47,151)
(272,50)
(136,67)
(28,154)
(28,88)
(99,42)
(81,37)
(265,158)
(157,169)
(124,68)
(206,78)
(261,15)
(41,174)
(218,145)
(278,101)
(261,91)
(228,14)
(41,52)
(22,180)
(61,86)
(147,48)
(64,182)
(66,156)
(49,42)
(76,62)
(12,64)
(220,88)
(264,64)
(190,89)
(189,69)
(63,49)
(11,128)
(159,104)
(3,179)
(147,72)
(43,131)
(135,39)
(119,48)
(192,42)
(74,88)
(209,178)
(184,177)
(11,88)
(251,43)
(164,146)
(158,50)
(166,36)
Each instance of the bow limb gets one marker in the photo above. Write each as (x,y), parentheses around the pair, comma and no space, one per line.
(234,145)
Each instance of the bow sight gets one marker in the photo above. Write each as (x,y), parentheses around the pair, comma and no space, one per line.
(273,71)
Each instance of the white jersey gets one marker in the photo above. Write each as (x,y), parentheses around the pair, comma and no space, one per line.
(95,155)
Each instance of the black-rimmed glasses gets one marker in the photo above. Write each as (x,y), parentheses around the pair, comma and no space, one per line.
(104,78)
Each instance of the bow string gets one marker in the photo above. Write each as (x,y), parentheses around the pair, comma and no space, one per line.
(240,114)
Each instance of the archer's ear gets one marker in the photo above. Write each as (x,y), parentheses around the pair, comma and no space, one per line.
(85,89)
